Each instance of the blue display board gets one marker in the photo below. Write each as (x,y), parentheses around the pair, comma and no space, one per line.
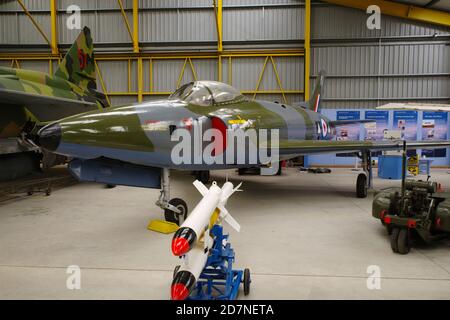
(406,122)
(375,131)
(434,128)
(349,132)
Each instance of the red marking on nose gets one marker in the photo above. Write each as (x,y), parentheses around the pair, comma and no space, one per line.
(180,246)
(179,291)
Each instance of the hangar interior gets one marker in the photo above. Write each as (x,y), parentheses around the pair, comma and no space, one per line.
(304,236)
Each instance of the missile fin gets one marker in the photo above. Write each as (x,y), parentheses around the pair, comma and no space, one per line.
(229,219)
(200,187)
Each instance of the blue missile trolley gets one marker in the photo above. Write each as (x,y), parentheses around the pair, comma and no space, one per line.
(218,280)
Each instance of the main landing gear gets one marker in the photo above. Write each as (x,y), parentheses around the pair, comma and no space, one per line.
(175,210)
(364,180)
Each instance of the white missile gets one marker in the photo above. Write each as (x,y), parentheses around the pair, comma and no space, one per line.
(198,220)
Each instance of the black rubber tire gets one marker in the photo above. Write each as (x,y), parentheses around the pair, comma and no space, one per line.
(110,186)
(394,239)
(242,171)
(175,217)
(361,186)
(203,176)
(404,241)
(247,280)
(175,271)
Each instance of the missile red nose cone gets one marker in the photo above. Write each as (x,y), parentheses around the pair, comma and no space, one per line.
(183,240)
(182,284)
(179,292)
(180,246)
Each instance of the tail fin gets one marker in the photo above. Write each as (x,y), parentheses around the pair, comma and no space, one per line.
(314,103)
(78,65)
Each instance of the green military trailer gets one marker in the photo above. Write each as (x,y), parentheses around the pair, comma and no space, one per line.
(415,211)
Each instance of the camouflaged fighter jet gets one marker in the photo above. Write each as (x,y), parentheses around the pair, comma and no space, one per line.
(133,144)
(29,98)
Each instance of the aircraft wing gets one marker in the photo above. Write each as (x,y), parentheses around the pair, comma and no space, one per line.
(44,107)
(416,106)
(303,147)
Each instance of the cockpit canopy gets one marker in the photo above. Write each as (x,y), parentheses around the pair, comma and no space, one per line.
(207,93)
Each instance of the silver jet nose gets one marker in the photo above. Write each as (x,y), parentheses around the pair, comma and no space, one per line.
(49,136)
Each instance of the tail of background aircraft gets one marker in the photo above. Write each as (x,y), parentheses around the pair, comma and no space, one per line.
(314,103)
(78,65)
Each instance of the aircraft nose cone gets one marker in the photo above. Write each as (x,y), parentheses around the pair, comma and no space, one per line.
(50,136)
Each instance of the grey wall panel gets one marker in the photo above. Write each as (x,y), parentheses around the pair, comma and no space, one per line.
(259,2)
(29,4)
(115,75)
(415,87)
(345,60)
(283,23)
(9,32)
(415,59)
(158,26)
(197,25)
(243,24)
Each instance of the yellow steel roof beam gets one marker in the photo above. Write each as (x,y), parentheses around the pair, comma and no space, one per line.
(399,10)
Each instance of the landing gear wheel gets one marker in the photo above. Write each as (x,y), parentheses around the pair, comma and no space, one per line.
(203,176)
(361,186)
(404,241)
(247,281)
(175,271)
(394,239)
(173,216)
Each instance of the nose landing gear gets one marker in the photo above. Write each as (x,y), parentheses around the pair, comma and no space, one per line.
(364,180)
(175,210)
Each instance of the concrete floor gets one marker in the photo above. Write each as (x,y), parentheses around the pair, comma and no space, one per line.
(304,236)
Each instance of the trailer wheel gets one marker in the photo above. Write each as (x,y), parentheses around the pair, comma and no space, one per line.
(394,239)
(361,186)
(247,281)
(174,217)
(404,241)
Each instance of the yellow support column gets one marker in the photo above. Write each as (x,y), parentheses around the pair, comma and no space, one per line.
(53,14)
(136,26)
(140,79)
(307,37)
(219,23)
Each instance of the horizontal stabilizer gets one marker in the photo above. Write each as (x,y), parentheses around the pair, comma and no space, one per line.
(45,108)
(338,123)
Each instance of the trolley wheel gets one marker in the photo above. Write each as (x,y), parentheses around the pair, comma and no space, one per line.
(404,241)
(203,176)
(30,192)
(394,239)
(242,171)
(175,271)
(48,192)
(247,281)
(174,217)
(361,186)
(110,186)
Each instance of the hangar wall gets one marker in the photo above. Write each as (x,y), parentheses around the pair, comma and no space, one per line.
(404,61)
